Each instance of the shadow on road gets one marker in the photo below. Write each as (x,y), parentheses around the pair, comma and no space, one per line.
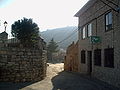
(13,86)
(73,81)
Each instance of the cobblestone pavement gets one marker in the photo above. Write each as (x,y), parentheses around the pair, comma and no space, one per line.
(57,79)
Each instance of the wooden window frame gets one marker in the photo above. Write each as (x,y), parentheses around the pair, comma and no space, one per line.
(83,56)
(88,34)
(97,57)
(109,57)
(83,29)
(109,26)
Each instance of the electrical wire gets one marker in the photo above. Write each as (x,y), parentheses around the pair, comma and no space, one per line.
(113,3)
(68,36)
(97,12)
(109,6)
(77,28)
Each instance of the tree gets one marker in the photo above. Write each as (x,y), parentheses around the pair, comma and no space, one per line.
(52,48)
(26,31)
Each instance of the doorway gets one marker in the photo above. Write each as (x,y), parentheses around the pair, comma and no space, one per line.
(89,54)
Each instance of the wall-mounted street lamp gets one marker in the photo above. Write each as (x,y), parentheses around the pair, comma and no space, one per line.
(5,24)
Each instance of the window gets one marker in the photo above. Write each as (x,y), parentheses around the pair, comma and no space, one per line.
(82,56)
(108,21)
(97,57)
(83,33)
(89,30)
(109,57)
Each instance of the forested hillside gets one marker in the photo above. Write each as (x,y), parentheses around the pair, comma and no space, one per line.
(63,36)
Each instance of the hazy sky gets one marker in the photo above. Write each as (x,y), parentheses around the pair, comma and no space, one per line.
(47,14)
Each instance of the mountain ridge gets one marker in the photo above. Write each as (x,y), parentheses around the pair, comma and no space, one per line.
(69,33)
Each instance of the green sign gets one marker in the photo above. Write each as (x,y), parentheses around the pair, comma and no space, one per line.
(95,39)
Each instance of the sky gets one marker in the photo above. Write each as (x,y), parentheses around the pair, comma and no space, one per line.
(48,14)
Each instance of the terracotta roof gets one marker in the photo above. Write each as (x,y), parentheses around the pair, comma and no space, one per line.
(85,7)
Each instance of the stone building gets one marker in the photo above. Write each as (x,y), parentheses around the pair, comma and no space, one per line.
(3,38)
(21,64)
(71,58)
(99,40)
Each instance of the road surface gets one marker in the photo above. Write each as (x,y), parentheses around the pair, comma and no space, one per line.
(57,79)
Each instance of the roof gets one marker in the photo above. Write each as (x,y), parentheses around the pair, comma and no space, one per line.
(3,33)
(85,7)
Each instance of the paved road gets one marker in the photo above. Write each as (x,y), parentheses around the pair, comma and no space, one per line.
(59,80)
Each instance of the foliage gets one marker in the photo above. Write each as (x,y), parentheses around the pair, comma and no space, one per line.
(26,31)
(52,46)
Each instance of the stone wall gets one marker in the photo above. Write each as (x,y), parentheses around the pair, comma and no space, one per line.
(20,65)
(95,14)
(71,59)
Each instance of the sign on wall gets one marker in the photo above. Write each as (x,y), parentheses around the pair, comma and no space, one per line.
(95,39)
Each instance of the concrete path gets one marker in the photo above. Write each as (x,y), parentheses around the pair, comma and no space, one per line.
(58,80)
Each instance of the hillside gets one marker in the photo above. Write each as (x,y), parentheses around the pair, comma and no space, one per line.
(59,34)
